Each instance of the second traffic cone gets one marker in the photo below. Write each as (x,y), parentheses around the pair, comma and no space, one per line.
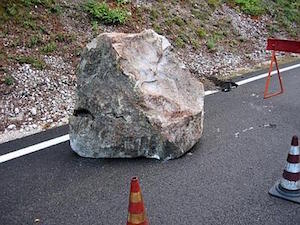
(136,210)
(288,187)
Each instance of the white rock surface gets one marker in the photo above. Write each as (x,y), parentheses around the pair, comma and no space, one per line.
(135,99)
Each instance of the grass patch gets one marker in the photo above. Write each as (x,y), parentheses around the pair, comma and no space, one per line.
(57,9)
(157,28)
(251,7)
(154,14)
(285,12)
(29,24)
(19,10)
(195,44)
(12,9)
(201,33)
(178,21)
(47,3)
(103,13)
(34,40)
(9,80)
(50,47)
(211,44)
(287,15)
(35,62)
(120,2)
(179,42)
(213,3)
(64,38)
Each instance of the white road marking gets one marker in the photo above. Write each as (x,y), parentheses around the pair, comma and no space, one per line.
(258,77)
(64,138)
(266,74)
(34,148)
(210,92)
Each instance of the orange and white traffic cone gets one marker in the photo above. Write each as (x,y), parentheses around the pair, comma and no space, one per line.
(288,187)
(136,210)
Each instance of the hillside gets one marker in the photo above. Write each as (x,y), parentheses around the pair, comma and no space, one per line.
(41,40)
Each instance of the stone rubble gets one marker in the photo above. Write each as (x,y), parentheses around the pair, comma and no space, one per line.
(39,99)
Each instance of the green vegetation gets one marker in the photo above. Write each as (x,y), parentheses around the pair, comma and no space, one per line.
(46,3)
(12,9)
(154,14)
(122,1)
(29,24)
(50,47)
(56,9)
(36,63)
(251,7)
(178,21)
(213,3)
(18,10)
(286,13)
(34,40)
(179,42)
(64,38)
(211,44)
(157,28)
(103,13)
(201,32)
(9,80)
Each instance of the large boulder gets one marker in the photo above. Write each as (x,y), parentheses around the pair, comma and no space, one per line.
(134,98)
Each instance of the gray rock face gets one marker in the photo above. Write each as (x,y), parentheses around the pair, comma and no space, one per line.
(134,98)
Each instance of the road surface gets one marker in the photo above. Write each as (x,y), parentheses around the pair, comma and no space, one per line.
(224,180)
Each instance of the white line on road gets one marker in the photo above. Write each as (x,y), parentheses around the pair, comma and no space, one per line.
(64,138)
(266,74)
(34,148)
(258,77)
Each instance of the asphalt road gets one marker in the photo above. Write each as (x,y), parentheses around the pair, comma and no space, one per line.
(224,181)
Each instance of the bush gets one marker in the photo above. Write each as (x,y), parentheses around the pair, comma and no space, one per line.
(103,13)
(251,7)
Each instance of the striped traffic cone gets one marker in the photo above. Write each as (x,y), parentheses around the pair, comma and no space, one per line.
(136,210)
(289,186)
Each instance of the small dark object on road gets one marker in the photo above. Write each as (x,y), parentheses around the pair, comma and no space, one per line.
(227,86)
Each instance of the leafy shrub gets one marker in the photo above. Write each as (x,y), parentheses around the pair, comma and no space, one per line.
(103,13)
(50,47)
(251,7)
